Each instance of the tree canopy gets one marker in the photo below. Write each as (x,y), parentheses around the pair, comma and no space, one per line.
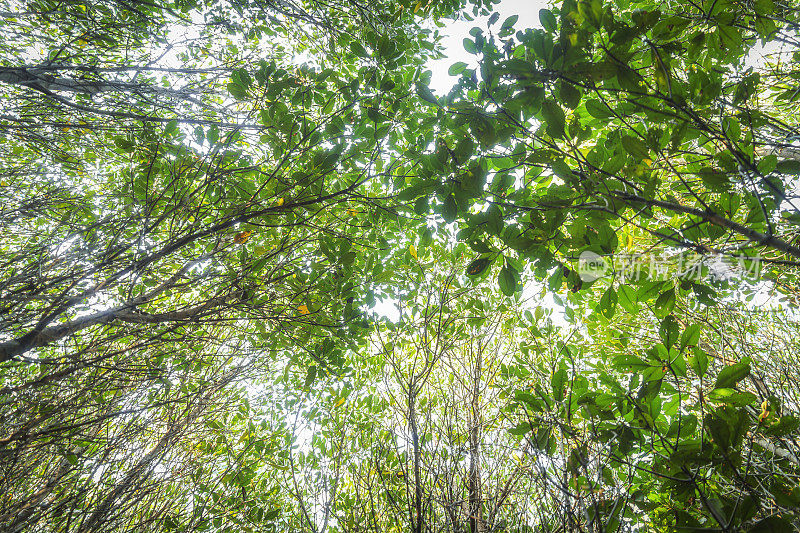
(256,274)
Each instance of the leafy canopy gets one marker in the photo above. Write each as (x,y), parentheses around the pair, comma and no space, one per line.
(257,276)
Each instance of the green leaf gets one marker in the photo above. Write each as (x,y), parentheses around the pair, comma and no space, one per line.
(732,128)
(699,362)
(649,290)
(554,118)
(732,374)
(691,336)
(569,95)
(559,195)
(457,68)
(477,267)
(732,397)
(715,507)
(789,166)
(635,146)
(608,303)
(548,20)
(237,91)
(628,362)
(507,279)
(375,115)
(598,109)
(520,429)
(469,46)
(768,164)
(421,205)
(171,127)
(529,399)
(424,92)
(449,209)
(464,149)
(772,524)
(558,382)
(714,179)
(669,330)
(509,22)
(358,49)
(785,425)
(627,298)
(520,67)
(242,76)
(562,170)
(311,375)
(516,240)
(665,302)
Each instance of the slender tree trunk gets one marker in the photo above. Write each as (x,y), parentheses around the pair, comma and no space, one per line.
(475,518)
(416,518)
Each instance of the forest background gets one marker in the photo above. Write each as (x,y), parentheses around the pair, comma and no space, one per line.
(263,269)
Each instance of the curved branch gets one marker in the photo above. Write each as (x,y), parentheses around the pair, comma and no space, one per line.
(763,239)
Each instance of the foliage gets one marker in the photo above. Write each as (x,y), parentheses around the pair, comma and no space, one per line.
(257,276)
(619,123)
(616,129)
(183,205)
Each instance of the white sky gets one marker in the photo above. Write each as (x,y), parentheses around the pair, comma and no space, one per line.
(455,32)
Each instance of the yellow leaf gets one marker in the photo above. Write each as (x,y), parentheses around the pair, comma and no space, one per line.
(280,202)
(242,237)
(628,241)
(764,410)
(339,402)
(303,309)
(413,251)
